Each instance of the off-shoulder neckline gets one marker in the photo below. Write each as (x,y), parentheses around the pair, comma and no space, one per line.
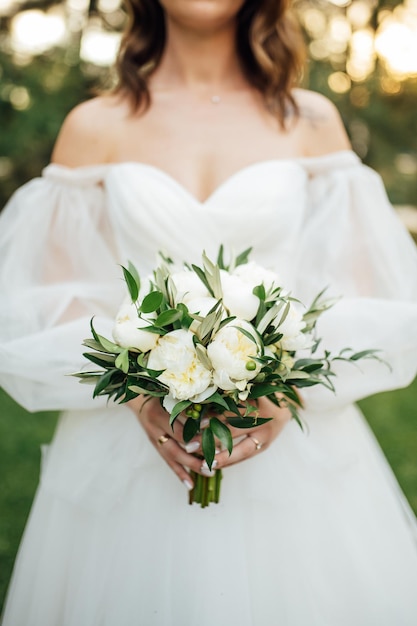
(86,175)
(339,155)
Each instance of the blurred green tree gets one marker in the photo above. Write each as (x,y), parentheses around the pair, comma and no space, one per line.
(362,54)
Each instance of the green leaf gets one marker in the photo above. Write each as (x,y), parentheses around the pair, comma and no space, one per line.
(203,356)
(295,415)
(153,329)
(222,432)
(95,345)
(161,276)
(273,338)
(134,272)
(84,374)
(131,284)
(212,273)
(261,389)
(209,447)
(109,346)
(138,390)
(103,360)
(291,394)
(104,382)
(203,278)
(88,380)
(247,334)
(284,314)
(269,316)
(216,398)
(93,331)
(209,322)
(243,257)
(247,422)
(151,302)
(178,408)
(259,292)
(226,321)
(122,361)
(220,258)
(150,383)
(146,392)
(301,375)
(364,354)
(168,317)
(191,428)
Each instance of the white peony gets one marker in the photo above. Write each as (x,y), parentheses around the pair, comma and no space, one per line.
(238,297)
(292,327)
(188,286)
(254,275)
(230,353)
(127,331)
(184,374)
(202,305)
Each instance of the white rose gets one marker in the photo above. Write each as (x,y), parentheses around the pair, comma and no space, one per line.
(127,331)
(254,275)
(230,352)
(292,326)
(238,297)
(184,374)
(188,286)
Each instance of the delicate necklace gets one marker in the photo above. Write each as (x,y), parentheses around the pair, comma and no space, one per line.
(215,99)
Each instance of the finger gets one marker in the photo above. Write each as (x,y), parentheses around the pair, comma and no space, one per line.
(159,420)
(247,448)
(182,474)
(171,451)
(176,431)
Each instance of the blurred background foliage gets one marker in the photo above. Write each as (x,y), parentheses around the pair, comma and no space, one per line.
(362,54)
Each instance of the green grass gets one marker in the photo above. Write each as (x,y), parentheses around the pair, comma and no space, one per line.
(393,417)
(21,435)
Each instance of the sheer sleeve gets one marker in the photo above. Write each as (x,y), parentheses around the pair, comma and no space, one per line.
(58,269)
(354,244)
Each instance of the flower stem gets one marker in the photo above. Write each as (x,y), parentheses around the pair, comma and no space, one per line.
(206,489)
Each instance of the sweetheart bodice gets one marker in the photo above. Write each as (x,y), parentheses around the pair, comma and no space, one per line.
(262,206)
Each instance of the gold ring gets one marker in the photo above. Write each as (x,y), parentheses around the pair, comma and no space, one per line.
(257,443)
(163,439)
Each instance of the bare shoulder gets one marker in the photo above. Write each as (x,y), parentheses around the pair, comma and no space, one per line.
(87,134)
(321,126)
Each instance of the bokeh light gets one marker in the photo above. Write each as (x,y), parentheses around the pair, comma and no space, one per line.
(340,31)
(99,46)
(34,31)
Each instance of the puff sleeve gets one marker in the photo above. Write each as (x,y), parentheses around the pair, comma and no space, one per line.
(353,243)
(58,269)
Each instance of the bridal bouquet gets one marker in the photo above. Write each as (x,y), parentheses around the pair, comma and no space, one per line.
(209,340)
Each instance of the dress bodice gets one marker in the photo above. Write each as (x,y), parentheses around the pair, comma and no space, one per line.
(262,205)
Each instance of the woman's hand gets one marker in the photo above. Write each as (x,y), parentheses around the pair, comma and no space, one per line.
(180,458)
(155,421)
(257,439)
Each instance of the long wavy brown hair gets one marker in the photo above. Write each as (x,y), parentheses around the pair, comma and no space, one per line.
(269,44)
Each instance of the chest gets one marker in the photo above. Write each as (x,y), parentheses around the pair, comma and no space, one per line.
(203,144)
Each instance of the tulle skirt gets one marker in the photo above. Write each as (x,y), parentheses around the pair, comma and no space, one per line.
(312,532)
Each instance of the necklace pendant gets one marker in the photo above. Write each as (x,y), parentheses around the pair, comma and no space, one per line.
(215,99)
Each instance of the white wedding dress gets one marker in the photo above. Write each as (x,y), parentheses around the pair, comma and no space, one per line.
(312,532)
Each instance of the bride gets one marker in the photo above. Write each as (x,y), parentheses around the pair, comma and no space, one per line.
(206,140)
